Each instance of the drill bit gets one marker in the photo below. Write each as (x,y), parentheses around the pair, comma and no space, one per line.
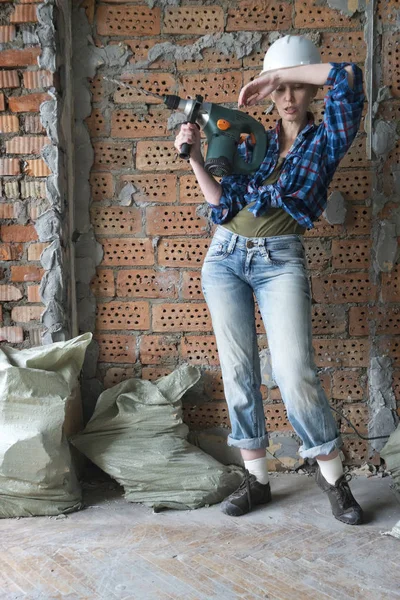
(133,87)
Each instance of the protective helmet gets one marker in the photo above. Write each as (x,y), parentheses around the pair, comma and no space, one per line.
(291,51)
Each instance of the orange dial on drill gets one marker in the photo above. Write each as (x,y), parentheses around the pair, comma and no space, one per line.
(223,124)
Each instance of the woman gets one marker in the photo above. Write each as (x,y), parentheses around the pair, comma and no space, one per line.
(257,250)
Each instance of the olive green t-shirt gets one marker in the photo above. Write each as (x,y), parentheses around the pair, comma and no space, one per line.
(275,221)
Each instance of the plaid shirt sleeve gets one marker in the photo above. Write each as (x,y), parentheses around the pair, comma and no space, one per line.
(343,109)
(234,188)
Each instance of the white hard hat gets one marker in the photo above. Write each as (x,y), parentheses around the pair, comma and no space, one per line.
(291,51)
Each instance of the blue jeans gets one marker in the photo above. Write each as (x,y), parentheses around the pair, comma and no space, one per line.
(273,270)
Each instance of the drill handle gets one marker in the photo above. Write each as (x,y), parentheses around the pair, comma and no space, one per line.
(185,148)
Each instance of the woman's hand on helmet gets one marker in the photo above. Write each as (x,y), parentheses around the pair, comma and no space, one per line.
(258,89)
(189,133)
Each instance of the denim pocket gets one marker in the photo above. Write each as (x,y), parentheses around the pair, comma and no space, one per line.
(287,254)
(217,251)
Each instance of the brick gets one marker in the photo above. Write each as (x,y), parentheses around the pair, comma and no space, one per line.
(181,317)
(24,13)
(199,350)
(351,254)
(26,144)
(348,385)
(191,286)
(341,288)
(33,124)
(310,14)
(9,293)
(358,220)
(102,186)
(126,19)
(34,293)
(6,211)
(391,285)
(26,273)
(355,185)
(196,20)
(355,450)
(19,58)
(357,154)
(14,335)
(328,319)
(112,155)
(158,83)
(266,16)
(33,189)
(358,415)
(131,124)
(18,233)
(158,156)
(37,168)
(182,252)
(97,124)
(390,62)
(276,417)
(10,166)
(158,349)
(324,229)
(318,254)
(174,220)
(34,80)
(122,315)
(127,252)
(103,283)
(2,102)
(387,11)
(390,345)
(374,320)
(11,190)
(25,314)
(35,250)
(341,353)
(189,190)
(9,124)
(153,373)
(116,348)
(213,385)
(212,59)
(11,252)
(116,375)
(28,102)
(147,283)
(7,34)
(89,6)
(349,46)
(209,414)
(224,88)
(1,313)
(152,188)
(108,220)
(9,79)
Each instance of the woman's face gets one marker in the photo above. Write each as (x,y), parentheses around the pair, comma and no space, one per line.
(292,100)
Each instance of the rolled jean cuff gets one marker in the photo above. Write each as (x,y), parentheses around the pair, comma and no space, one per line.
(250,443)
(323,449)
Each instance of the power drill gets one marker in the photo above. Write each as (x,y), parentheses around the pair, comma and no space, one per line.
(225,128)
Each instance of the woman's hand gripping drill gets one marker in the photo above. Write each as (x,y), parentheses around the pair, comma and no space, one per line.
(190,134)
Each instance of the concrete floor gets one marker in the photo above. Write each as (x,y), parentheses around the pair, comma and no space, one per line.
(290,549)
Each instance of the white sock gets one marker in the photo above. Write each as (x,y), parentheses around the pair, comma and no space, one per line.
(258,467)
(331,469)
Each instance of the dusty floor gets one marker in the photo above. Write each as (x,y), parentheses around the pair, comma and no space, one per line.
(291,549)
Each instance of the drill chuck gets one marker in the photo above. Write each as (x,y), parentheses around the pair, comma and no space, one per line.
(171,101)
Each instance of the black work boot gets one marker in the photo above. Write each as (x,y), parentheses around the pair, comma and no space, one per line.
(249,493)
(344,506)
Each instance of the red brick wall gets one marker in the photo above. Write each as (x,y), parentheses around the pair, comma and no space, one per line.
(151,313)
(23,174)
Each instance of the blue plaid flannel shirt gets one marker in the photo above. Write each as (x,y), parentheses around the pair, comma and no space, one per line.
(305,176)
